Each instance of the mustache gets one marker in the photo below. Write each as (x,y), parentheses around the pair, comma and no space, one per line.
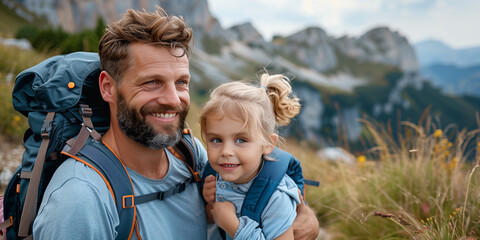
(162,108)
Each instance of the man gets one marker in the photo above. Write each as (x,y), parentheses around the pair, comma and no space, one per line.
(145,78)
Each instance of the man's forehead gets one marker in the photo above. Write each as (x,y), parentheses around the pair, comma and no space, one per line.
(157,53)
(178,52)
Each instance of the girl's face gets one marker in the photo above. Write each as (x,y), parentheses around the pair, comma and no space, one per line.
(233,151)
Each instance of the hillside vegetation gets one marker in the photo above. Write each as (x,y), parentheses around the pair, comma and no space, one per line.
(422,187)
(12,62)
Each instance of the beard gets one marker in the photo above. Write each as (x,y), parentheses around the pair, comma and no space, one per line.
(134,125)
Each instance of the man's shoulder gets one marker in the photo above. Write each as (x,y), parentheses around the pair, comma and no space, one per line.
(73,170)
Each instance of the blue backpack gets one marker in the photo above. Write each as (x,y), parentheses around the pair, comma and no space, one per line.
(67,116)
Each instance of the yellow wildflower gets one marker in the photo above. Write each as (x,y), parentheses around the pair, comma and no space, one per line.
(452,164)
(437,133)
(361,158)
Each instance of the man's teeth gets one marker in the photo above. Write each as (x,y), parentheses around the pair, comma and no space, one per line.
(164,115)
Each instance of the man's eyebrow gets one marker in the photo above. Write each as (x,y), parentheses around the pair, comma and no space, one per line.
(185,75)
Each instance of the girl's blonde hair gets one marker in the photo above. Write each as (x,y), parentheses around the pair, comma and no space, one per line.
(263,107)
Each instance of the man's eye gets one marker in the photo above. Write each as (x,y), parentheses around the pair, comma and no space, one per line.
(151,82)
(182,82)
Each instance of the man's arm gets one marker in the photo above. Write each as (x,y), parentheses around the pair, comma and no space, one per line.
(76,206)
(305,226)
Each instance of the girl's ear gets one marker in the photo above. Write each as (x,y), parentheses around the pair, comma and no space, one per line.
(268,148)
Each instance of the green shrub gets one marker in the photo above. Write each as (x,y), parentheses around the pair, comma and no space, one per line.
(13,61)
(12,123)
(59,41)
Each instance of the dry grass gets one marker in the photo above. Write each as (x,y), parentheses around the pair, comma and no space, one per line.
(421,188)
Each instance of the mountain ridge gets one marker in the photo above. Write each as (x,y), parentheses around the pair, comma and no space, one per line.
(339,80)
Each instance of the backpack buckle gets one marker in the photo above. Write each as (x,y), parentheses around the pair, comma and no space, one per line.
(46,128)
(128,201)
(85,110)
(85,126)
(197,177)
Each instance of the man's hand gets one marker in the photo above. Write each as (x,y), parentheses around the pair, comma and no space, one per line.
(305,226)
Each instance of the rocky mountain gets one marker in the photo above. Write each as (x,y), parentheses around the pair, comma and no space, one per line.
(454,80)
(455,71)
(338,79)
(431,52)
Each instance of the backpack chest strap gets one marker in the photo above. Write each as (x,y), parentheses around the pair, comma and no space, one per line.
(127,200)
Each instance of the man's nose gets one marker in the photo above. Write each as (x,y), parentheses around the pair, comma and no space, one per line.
(169,96)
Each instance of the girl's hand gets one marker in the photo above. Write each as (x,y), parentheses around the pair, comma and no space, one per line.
(224,214)
(209,189)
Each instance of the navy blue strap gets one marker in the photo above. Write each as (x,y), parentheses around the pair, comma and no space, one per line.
(164,194)
(186,148)
(265,184)
(311,182)
(96,153)
(294,169)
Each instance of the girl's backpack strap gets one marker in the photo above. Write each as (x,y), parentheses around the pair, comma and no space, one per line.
(266,183)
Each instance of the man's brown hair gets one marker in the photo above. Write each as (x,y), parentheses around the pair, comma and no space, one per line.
(155,28)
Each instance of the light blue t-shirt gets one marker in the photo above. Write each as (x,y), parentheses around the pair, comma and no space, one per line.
(78,205)
(277,216)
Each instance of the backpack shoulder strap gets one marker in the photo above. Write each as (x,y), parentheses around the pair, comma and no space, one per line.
(265,184)
(97,156)
(30,204)
(186,150)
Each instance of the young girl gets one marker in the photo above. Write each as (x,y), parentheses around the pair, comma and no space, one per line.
(239,126)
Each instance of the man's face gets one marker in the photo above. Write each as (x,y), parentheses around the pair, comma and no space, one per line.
(153,96)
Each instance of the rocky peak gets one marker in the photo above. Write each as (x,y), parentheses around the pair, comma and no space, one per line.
(381,45)
(312,47)
(246,32)
(197,15)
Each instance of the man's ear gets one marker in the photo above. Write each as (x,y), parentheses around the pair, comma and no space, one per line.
(107,87)
(267,149)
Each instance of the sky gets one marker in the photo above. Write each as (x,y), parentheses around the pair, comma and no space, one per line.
(454,22)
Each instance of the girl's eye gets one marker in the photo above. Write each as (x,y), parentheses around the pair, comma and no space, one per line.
(216,140)
(240,140)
